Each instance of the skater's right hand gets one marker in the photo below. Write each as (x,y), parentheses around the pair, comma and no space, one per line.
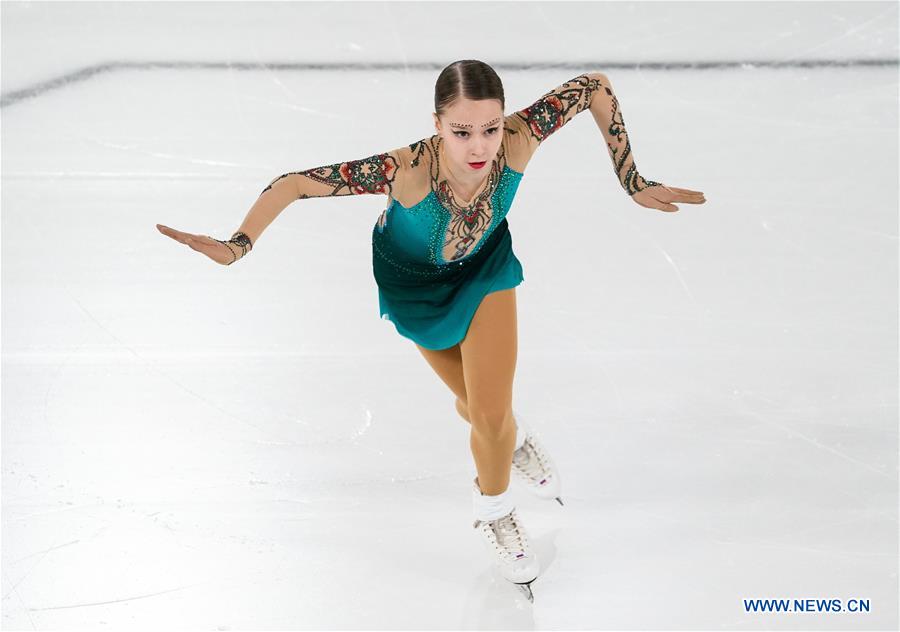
(215,249)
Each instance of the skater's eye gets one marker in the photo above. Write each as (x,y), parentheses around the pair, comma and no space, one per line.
(490,132)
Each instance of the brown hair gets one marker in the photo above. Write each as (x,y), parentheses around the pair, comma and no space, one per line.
(468,78)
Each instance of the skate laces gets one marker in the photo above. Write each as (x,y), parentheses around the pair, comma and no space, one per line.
(509,535)
(531,460)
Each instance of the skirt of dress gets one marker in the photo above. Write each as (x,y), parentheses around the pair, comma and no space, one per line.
(433,305)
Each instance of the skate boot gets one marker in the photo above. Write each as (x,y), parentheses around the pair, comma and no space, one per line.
(504,536)
(532,466)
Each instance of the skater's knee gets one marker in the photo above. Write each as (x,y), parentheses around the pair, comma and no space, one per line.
(463,409)
(491,421)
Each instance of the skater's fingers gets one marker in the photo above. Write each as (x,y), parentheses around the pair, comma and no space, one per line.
(209,246)
(165,230)
(200,243)
(183,237)
(205,239)
(171,232)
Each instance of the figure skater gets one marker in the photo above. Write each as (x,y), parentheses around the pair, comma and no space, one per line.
(445,269)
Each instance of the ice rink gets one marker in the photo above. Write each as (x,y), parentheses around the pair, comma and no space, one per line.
(194,446)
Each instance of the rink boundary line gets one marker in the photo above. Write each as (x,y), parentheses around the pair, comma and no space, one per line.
(82,74)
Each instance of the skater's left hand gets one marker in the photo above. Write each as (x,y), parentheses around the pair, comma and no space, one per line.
(659,196)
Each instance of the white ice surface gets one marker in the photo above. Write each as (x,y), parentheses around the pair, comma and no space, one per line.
(224,448)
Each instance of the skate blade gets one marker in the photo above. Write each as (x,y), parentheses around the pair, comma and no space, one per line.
(535,491)
(525,589)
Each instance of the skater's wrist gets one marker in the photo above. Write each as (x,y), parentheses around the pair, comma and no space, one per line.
(239,245)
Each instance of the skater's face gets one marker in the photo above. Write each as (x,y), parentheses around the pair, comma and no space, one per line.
(472,132)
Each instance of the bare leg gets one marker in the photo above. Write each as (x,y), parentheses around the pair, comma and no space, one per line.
(496,311)
(489,353)
(463,410)
(447,363)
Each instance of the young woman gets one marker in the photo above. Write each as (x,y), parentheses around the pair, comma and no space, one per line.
(444,265)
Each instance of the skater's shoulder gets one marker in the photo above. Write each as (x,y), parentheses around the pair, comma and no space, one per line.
(517,144)
(414,162)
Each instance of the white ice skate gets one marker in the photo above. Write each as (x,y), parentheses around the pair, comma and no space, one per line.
(534,468)
(507,542)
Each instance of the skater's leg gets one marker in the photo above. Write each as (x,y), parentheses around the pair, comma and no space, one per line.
(447,363)
(463,410)
(489,353)
(538,473)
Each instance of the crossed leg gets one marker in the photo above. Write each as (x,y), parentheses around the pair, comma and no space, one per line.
(480,371)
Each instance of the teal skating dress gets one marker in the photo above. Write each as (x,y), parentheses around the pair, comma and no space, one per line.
(435,261)
(429,299)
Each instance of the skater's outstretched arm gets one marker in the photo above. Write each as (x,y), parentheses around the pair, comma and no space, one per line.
(377,174)
(532,125)
(593,91)
(374,174)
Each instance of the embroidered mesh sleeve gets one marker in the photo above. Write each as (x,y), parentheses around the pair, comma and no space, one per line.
(377,174)
(559,106)
(373,174)
(586,91)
